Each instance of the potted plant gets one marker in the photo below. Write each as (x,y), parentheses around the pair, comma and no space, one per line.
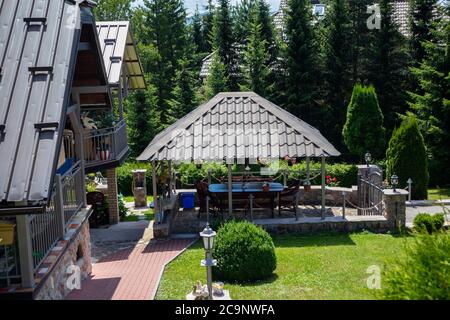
(6,234)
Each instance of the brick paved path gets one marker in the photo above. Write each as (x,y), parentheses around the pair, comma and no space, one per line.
(131,274)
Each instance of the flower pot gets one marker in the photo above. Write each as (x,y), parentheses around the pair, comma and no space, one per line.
(6,234)
(307,187)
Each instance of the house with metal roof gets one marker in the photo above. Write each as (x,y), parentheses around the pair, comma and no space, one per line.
(58,78)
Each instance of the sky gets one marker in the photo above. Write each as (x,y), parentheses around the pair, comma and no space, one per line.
(191,4)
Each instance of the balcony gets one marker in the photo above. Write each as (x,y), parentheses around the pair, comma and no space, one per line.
(105,148)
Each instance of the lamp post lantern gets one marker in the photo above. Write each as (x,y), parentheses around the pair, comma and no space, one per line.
(208,235)
(394,181)
(368,158)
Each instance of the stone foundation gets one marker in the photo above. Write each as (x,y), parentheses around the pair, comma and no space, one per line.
(333,196)
(111,196)
(78,254)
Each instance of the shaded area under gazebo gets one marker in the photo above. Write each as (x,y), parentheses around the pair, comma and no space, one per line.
(237,128)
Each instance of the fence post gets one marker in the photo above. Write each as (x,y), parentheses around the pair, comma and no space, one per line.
(25,251)
(59,205)
(395,208)
(343,204)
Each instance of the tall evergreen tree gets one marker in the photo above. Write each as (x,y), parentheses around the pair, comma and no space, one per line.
(299,61)
(337,71)
(168,34)
(388,70)
(217,80)
(207,25)
(197,32)
(224,45)
(363,131)
(361,39)
(407,158)
(432,101)
(184,94)
(420,21)
(141,113)
(256,58)
(113,10)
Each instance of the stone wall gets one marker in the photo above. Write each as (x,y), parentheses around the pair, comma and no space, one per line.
(78,253)
(333,196)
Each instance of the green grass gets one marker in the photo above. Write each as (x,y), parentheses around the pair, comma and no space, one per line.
(308,267)
(149,215)
(437,194)
(131,199)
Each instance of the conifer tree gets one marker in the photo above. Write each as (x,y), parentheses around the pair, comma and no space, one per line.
(300,62)
(224,45)
(388,68)
(113,10)
(208,20)
(197,32)
(337,68)
(431,103)
(420,21)
(407,158)
(256,58)
(363,131)
(217,80)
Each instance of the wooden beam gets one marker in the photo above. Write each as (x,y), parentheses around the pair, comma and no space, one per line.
(90,89)
(155,190)
(230,191)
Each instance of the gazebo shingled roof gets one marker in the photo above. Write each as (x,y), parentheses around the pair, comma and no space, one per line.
(234,126)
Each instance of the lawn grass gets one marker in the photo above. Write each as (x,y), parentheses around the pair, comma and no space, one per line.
(438,194)
(308,267)
(131,217)
(131,199)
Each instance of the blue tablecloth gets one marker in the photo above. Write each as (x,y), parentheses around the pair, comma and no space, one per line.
(249,187)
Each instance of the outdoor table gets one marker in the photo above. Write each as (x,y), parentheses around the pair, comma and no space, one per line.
(250,189)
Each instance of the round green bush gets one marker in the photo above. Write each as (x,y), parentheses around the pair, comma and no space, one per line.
(425,222)
(244,252)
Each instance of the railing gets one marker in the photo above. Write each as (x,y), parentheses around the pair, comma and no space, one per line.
(45,232)
(71,201)
(9,258)
(105,144)
(370,193)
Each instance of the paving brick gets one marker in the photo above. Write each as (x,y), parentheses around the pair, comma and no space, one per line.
(130,274)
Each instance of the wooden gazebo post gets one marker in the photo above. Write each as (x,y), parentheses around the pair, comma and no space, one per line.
(322,210)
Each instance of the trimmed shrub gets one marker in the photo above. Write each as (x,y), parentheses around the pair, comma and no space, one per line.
(407,158)
(244,252)
(345,174)
(363,130)
(423,274)
(425,222)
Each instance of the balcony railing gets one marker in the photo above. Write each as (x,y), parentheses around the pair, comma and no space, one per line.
(105,145)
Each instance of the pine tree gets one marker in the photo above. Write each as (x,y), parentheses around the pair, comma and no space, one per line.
(299,61)
(363,130)
(113,10)
(432,101)
(197,32)
(337,72)
(241,15)
(184,94)
(208,20)
(256,58)
(224,45)
(388,68)
(361,38)
(142,119)
(407,158)
(420,20)
(217,79)
(167,32)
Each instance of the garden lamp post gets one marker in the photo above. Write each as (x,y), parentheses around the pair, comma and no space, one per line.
(394,181)
(208,235)
(368,158)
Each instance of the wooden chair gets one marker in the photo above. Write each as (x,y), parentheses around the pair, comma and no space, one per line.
(288,198)
(203,192)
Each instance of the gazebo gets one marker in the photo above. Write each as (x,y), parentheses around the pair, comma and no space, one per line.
(237,127)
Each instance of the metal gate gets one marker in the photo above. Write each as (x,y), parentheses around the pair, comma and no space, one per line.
(370,192)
